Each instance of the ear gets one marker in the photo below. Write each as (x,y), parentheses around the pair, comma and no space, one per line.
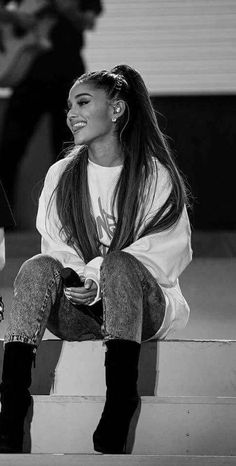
(118,109)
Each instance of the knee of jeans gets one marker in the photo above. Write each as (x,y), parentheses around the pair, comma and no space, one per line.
(38,266)
(118,263)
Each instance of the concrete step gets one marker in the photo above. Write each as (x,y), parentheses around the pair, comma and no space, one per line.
(161,425)
(116,460)
(167,368)
(196,367)
(188,398)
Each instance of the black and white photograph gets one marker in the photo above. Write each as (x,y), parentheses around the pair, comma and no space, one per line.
(117,232)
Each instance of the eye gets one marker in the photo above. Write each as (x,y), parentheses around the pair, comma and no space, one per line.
(83,102)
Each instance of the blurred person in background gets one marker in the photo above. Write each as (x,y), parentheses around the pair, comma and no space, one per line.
(6,220)
(40,58)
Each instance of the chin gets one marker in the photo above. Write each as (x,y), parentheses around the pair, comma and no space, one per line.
(79,141)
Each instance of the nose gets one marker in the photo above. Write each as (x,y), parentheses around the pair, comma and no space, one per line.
(71,114)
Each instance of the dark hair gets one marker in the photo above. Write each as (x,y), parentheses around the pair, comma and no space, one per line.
(143,144)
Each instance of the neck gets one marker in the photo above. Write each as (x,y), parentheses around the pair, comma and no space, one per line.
(106,155)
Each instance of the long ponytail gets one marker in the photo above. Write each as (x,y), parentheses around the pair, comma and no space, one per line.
(142,143)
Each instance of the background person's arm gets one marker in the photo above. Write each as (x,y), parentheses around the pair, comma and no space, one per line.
(2,248)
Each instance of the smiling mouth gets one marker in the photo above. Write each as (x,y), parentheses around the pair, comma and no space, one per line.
(78,126)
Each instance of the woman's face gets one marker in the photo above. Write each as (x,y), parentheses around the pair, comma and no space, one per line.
(90,114)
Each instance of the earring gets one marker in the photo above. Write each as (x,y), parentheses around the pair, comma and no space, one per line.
(113,120)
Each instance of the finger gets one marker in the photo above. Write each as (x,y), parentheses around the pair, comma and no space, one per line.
(84,296)
(82,301)
(79,289)
(67,295)
(75,298)
(88,283)
(89,301)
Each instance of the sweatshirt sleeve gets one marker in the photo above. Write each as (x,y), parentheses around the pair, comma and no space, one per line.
(167,253)
(48,223)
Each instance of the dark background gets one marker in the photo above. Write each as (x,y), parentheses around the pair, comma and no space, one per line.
(203,138)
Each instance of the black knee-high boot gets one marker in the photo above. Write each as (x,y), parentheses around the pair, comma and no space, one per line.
(121,368)
(15,396)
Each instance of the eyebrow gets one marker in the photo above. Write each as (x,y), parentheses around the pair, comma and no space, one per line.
(83,93)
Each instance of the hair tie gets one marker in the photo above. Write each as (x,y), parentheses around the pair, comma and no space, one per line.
(119,82)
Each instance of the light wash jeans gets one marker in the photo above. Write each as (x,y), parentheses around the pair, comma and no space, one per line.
(132,304)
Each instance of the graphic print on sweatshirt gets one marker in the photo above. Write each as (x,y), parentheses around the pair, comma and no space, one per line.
(105,227)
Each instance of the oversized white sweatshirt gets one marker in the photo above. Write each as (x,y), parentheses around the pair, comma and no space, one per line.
(165,254)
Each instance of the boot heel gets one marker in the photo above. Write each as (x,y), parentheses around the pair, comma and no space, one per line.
(111,433)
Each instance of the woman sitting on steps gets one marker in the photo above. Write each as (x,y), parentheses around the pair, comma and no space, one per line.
(113,210)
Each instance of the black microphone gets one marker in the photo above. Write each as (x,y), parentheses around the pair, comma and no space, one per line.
(70,278)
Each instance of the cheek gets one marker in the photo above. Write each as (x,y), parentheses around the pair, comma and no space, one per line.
(102,120)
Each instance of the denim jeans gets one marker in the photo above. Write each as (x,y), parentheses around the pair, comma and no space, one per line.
(132,303)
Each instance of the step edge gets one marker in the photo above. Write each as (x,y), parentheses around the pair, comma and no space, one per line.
(133,455)
(185,340)
(62,399)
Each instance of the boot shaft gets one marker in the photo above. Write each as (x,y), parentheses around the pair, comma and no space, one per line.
(121,368)
(16,379)
(17,364)
(15,396)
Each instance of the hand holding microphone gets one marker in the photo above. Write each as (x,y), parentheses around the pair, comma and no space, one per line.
(70,278)
(75,290)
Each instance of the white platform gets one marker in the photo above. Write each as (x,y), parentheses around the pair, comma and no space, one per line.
(190,408)
(115,460)
(163,425)
(166,368)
